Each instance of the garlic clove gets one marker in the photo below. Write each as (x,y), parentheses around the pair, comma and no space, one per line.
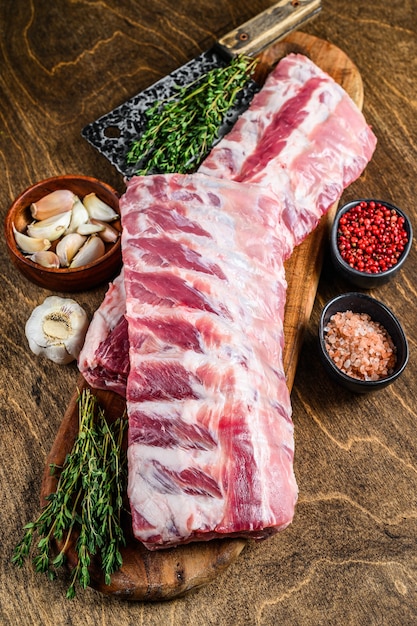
(53,203)
(46,258)
(68,246)
(29,245)
(98,209)
(51,228)
(89,228)
(56,329)
(108,233)
(92,250)
(79,216)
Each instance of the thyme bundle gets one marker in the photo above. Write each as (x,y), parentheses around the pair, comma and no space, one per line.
(87,502)
(181,130)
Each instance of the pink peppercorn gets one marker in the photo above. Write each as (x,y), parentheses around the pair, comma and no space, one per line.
(371,237)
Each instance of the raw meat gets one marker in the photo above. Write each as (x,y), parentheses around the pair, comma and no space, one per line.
(211,437)
(302,137)
(210,431)
(104,359)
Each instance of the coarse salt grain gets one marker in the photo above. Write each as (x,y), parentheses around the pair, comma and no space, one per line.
(359,346)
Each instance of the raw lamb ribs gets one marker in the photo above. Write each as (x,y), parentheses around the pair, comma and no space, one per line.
(202,298)
(104,358)
(210,434)
(302,137)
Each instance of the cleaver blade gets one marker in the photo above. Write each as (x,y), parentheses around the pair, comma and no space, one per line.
(113,133)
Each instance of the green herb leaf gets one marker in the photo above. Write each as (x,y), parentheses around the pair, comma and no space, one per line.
(88,498)
(181,130)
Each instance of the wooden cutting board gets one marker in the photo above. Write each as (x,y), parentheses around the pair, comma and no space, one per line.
(170,573)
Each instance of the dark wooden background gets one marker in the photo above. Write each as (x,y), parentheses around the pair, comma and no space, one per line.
(350,555)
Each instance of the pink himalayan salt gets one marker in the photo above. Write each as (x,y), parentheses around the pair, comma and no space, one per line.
(359,346)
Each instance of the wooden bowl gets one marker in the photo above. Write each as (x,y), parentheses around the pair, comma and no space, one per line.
(63,279)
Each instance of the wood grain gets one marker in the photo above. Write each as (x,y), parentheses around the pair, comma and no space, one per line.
(170,573)
(349,557)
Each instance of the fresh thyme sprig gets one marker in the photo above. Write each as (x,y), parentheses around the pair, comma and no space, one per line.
(87,502)
(180,131)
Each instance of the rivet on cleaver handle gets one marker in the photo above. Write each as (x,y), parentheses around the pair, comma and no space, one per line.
(269,26)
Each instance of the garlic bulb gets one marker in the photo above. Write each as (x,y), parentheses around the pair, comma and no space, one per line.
(92,250)
(89,228)
(59,201)
(46,258)
(56,329)
(68,246)
(99,210)
(51,228)
(29,245)
(68,224)
(107,233)
(79,216)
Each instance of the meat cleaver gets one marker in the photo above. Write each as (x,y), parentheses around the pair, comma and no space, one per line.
(113,133)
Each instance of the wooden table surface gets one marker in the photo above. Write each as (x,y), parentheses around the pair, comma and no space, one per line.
(350,555)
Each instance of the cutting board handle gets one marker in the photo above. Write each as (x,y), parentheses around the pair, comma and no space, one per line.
(269,26)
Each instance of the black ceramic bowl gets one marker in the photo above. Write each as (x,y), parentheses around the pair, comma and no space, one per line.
(359,278)
(362,303)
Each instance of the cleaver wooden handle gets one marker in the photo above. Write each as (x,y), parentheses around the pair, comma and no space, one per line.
(269,26)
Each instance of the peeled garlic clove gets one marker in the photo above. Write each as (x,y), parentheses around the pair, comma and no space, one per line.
(29,245)
(46,258)
(68,246)
(56,329)
(92,250)
(53,203)
(79,216)
(99,210)
(89,228)
(51,228)
(108,233)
